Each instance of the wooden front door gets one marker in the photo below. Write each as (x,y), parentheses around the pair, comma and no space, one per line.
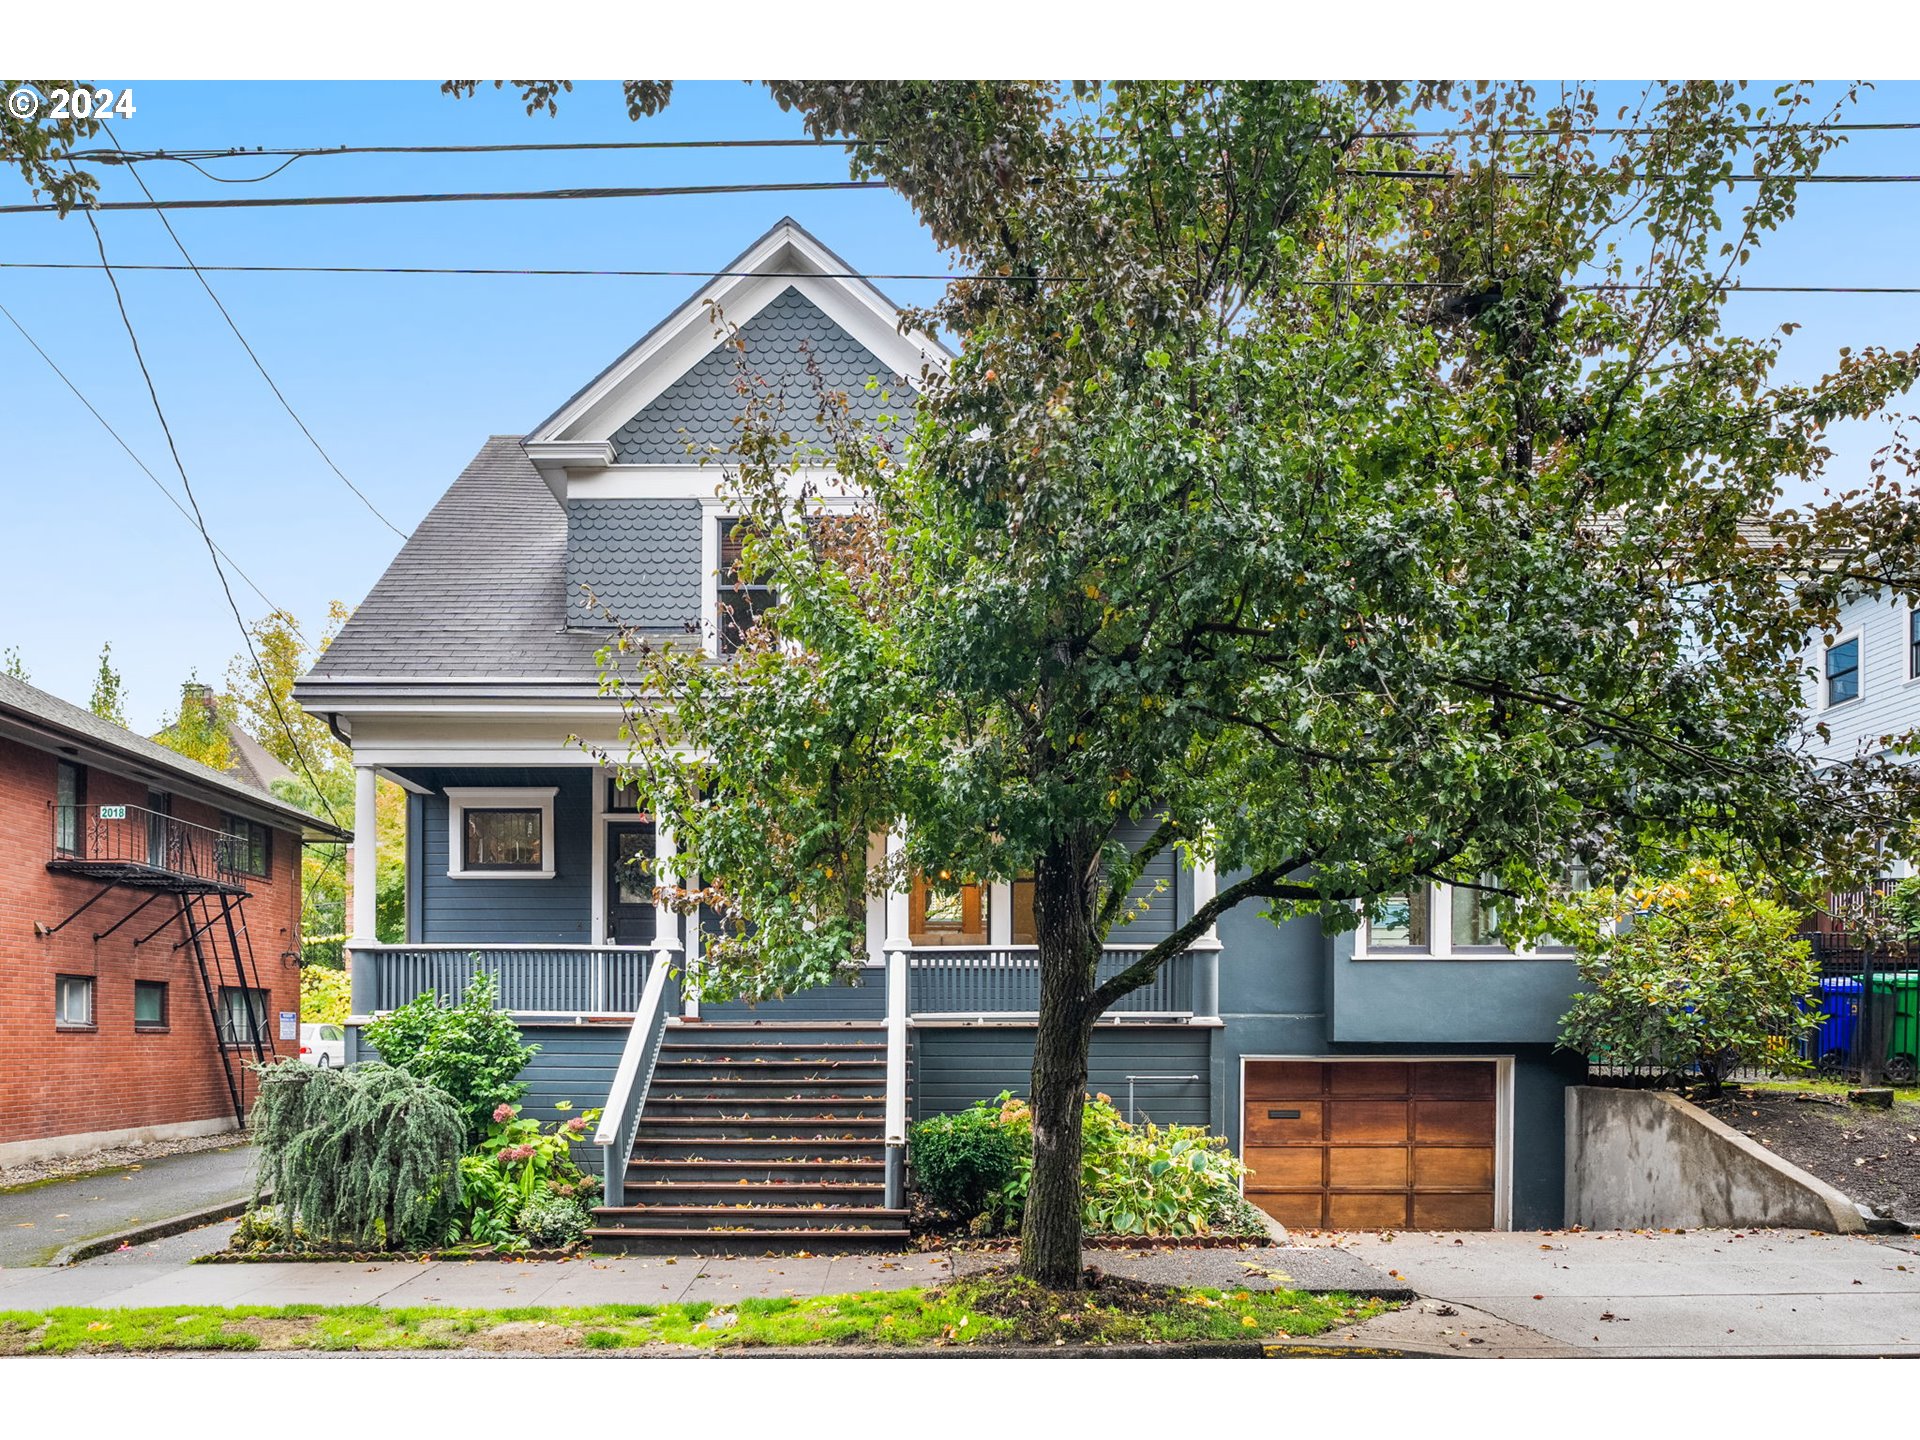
(1372,1144)
(631,917)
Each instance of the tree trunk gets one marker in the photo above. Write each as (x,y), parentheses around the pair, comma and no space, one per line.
(1069,956)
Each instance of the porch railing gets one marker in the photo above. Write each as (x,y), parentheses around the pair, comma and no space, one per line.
(531,979)
(134,838)
(632,1079)
(943,981)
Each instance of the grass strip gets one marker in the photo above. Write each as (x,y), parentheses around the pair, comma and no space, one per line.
(986,1311)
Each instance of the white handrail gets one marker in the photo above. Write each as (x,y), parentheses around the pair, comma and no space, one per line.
(896,1114)
(633,1054)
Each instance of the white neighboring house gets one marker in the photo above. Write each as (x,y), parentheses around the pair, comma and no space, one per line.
(1863,684)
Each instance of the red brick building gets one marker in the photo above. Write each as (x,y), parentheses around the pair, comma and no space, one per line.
(149,934)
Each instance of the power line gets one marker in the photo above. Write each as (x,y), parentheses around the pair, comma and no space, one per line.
(655,192)
(605,192)
(537,272)
(200,523)
(1798,177)
(119,156)
(158,484)
(285,404)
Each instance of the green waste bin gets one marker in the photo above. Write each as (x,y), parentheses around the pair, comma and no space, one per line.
(1894,1023)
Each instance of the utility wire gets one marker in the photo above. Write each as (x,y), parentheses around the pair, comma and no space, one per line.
(200,523)
(532,272)
(158,484)
(606,192)
(119,156)
(653,192)
(285,404)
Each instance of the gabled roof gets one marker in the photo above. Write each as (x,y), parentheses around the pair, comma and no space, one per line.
(30,713)
(787,257)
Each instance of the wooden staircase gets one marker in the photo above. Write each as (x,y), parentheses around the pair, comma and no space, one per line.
(758,1136)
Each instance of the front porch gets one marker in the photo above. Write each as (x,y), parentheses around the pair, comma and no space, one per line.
(541,877)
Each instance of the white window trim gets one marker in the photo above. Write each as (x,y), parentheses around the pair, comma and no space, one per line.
(1859,672)
(462,798)
(1440,944)
(1906,642)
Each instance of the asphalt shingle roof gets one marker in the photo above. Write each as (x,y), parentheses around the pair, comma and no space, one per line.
(43,711)
(478,592)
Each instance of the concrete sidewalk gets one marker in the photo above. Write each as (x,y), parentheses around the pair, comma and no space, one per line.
(121,1282)
(1704,1292)
(37,1222)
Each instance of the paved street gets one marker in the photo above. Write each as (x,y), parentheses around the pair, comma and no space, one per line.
(37,1222)
(1707,1292)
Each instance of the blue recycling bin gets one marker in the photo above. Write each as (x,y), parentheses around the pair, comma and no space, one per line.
(1830,1047)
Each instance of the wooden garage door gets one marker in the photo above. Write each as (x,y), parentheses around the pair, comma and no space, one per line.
(1366,1144)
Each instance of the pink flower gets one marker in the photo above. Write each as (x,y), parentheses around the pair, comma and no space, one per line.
(502,1113)
(577,1124)
(514,1154)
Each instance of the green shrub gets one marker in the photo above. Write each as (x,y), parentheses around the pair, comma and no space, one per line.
(1692,975)
(552,1222)
(518,1164)
(960,1160)
(471,1050)
(367,1156)
(1136,1179)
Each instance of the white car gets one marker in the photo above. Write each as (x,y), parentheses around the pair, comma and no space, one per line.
(323,1045)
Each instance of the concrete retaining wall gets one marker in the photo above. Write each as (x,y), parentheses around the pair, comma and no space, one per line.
(1643,1159)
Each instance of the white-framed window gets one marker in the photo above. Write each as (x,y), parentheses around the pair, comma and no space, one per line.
(1913,643)
(1840,680)
(1439,921)
(500,833)
(73,1002)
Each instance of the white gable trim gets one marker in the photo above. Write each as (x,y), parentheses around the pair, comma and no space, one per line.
(673,347)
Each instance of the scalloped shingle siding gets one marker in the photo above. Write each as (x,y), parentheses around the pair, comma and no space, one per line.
(697,414)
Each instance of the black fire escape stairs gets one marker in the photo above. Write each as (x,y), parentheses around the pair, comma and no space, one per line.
(188,871)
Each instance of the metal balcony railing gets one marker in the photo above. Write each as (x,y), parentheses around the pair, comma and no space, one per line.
(135,843)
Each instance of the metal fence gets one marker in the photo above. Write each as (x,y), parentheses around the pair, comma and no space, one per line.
(1867,1000)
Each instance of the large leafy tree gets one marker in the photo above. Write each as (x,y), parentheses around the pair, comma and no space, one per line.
(1364,505)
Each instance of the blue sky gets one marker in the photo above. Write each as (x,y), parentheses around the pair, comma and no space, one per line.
(403,377)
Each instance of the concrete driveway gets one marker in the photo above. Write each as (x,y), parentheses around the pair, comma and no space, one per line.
(40,1220)
(1703,1292)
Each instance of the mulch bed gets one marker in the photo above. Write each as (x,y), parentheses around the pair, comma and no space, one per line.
(418,1257)
(1871,1156)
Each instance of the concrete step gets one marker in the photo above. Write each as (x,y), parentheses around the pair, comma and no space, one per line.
(695,1241)
(726,1126)
(745,1217)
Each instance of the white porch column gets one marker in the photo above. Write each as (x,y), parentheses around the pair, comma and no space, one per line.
(899,916)
(667,949)
(1205,1001)
(899,922)
(366,847)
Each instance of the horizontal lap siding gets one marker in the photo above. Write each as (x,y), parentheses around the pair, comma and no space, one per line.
(1155,889)
(955,1067)
(574,1063)
(507,912)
